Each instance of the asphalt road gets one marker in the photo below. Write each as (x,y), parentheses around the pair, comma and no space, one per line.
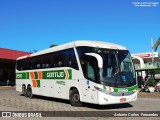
(11,100)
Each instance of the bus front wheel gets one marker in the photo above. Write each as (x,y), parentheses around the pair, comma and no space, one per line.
(75,98)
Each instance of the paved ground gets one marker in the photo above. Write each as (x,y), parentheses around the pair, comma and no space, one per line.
(11,100)
(149,95)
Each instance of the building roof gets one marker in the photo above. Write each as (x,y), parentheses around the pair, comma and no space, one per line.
(11,54)
(147,57)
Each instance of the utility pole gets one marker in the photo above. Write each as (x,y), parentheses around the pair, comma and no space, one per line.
(152,49)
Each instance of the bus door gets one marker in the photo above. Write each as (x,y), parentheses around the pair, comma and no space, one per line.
(91,75)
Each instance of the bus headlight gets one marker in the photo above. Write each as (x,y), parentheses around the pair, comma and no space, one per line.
(101,90)
(134,90)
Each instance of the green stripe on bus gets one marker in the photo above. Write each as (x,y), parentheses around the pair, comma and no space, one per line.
(132,88)
(38,83)
(27,75)
(52,74)
(21,75)
(56,74)
(70,73)
(125,89)
(35,75)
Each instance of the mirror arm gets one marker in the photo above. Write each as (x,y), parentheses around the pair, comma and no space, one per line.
(98,57)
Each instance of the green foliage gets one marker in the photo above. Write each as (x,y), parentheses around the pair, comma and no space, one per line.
(33,51)
(157,71)
(151,82)
(53,45)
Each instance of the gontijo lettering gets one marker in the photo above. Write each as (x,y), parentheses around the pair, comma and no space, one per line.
(58,74)
(55,74)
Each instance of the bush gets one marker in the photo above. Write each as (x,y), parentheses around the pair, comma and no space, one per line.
(151,82)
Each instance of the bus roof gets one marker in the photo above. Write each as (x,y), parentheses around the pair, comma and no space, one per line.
(89,43)
(99,44)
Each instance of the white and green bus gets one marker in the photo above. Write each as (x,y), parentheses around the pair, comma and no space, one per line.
(81,71)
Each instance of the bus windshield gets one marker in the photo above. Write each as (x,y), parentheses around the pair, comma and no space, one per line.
(118,70)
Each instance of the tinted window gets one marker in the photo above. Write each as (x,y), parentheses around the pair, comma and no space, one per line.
(64,58)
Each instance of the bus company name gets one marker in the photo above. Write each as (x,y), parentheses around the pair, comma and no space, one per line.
(18,75)
(55,74)
(122,90)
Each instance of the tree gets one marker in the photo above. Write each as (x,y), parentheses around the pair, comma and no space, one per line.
(33,51)
(53,45)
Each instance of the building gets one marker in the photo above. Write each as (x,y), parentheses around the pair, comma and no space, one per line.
(145,61)
(7,65)
(147,64)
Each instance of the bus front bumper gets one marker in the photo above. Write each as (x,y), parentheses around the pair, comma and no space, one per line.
(105,99)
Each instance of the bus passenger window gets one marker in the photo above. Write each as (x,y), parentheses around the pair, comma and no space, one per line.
(47,65)
(60,64)
(38,66)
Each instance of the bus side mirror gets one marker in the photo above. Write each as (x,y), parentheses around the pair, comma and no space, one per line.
(98,57)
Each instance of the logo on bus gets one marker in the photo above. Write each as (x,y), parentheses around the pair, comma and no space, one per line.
(122,90)
(18,76)
(58,74)
(55,74)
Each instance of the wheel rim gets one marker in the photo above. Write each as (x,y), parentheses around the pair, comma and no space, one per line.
(76,97)
(23,90)
(25,93)
(29,93)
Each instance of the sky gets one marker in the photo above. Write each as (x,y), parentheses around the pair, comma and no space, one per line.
(29,25)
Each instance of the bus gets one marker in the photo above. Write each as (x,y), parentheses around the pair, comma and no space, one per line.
(81,71)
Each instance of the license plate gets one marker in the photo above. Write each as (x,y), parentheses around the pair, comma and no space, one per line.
(122,99)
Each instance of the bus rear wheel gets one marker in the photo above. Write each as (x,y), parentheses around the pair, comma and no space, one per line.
(24,91)
(75,98)
(29,92)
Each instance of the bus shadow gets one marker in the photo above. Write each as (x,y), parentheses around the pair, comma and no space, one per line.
(52,99)
(107,107)
(87,105)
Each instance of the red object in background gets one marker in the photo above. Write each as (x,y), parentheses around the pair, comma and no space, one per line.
(11,54)
(158,87)
(143,55)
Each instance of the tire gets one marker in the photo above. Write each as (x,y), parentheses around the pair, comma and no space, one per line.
(75,98)
(26,95)
(24,91)
(29,92)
